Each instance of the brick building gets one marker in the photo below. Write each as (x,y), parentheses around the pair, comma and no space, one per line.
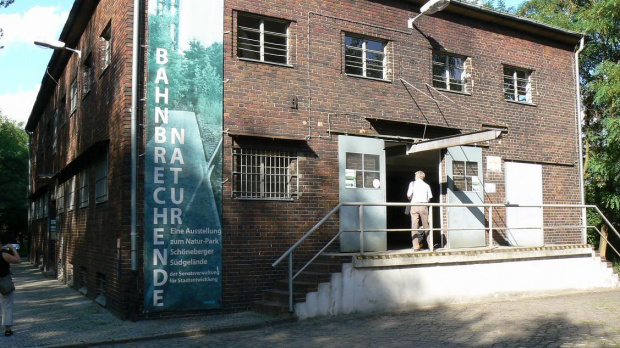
(190,144)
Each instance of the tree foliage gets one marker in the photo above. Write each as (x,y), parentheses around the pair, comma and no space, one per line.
(13,176)
(599,20)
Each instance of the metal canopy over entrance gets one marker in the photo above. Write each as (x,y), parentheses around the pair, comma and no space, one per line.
(455,140)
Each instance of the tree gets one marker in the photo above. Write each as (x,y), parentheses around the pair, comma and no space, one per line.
(600,81)
(13,176)
(4,3)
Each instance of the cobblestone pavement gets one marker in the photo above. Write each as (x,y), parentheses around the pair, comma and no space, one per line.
(577,320)
(48,313)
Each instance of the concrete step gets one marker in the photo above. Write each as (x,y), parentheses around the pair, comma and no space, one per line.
(282,296)
(271,308)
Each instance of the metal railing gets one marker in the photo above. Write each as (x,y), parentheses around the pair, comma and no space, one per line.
(489,227)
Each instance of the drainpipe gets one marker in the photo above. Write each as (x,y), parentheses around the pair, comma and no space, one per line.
(134,134)
(580,145)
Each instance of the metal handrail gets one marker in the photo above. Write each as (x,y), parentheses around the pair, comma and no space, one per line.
(490,228)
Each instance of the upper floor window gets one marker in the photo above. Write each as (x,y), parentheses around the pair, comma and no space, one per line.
(365,57)
(517,86)
(105,47)
(62,110)
(88,75)
(73,97)
(55,132)
(262,39)
(264,174)
(449,72)
(101,180)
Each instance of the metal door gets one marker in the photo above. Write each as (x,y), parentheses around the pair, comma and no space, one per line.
(464,172)
(361,163)
(524,187)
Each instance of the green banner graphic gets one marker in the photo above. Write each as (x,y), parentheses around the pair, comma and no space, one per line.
(183,160)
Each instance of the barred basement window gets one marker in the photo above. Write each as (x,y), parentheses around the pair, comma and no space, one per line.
(517,86)
(101,289)
(449,72)
(465,176)
(365,57)
(264,174)
(262,39)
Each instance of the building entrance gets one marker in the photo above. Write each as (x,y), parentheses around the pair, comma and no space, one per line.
(400,171)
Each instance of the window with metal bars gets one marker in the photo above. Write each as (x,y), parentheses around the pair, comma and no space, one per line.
(264,174)
(449,72)
(262,39)
(517,86)
(365,57)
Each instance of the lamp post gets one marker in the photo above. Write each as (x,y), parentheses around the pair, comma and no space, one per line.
(430,7)
(57,45)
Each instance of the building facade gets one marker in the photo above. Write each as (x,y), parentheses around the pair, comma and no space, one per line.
(190,144)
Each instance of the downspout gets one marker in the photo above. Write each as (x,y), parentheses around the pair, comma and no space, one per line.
(584,220)
(29,201)
(134,134)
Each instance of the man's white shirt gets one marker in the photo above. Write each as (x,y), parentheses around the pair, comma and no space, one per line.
(419,191)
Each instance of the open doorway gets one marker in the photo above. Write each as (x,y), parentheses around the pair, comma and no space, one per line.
(400,170)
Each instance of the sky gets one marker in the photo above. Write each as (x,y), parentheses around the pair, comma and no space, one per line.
(22,64)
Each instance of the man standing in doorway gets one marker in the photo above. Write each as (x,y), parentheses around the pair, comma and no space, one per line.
(419,192)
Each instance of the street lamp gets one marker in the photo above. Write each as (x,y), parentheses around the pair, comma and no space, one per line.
(430,7)
(57,45)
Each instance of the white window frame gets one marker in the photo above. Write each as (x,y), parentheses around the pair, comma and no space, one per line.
(364,50)
(265,174)
(101,180)
(512,91)
(447,76)
(253,47)
(83,188)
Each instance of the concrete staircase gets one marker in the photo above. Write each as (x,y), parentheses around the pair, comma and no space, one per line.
(276,301)
(607,264)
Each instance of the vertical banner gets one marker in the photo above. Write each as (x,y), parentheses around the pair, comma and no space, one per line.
(183,159)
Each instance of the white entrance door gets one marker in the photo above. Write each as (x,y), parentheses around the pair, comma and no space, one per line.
(464,172)
(362,179)
(524,187)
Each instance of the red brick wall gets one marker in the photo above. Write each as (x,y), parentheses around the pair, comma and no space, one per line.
(256,100)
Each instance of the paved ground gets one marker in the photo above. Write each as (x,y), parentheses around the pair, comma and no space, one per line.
(50,314)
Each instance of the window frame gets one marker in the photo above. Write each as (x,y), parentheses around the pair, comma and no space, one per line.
(70,194)
(88,75)
(447,77)
(101,180)
(264,174)
(105,48)
(262,42)
(83,188)
(364,56)
(73,95)
(514,80)
(60,198)
(466,177)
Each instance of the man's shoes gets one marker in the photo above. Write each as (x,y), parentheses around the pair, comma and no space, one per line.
(8,332)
